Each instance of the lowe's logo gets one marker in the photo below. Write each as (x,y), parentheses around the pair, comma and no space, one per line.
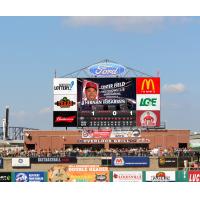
(107,69)
(148,102)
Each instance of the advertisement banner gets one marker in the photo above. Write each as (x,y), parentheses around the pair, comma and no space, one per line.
(148,102)
(109,133)
(78,173)
(65,102)
(130,161)
(92,133)
(53,160)
(148,118)
(20,162)
(167,162)
(64,119)
(1,163)
(177,162)
(182,176)
(5,176)
(160,176)
(127,176)
(146,85)
(65,86)
(107,102)
(30,177)
(194,176)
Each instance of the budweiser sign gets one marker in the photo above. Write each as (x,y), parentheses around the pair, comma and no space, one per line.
(69,119)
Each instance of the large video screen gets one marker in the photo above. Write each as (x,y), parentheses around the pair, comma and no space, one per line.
(107,102)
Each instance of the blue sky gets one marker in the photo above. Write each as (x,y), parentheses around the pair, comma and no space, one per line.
(31,48)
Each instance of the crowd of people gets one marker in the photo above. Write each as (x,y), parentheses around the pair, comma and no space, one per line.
(91,152)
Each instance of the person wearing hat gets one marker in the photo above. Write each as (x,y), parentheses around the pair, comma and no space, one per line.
(91,91)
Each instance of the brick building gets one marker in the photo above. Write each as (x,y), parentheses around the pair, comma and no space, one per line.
(63,139)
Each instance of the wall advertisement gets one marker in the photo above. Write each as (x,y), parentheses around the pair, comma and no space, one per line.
(130,161)
(78,173)
(160,176)
(126,176)
(20,162)
(30,176)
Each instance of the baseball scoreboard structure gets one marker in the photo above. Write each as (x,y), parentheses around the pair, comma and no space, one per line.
(107,99)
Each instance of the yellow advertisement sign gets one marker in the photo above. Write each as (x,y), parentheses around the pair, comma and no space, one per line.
(78,173)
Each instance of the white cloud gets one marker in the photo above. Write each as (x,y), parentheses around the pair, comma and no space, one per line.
(128,23)
(45,110)
(118,23)
(174,88)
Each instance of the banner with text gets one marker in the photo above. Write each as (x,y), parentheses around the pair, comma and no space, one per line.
(126,176)
(160,176)
(130,161)
(5,176)
(194,176)
(78,173)
(53,160)
(30,177)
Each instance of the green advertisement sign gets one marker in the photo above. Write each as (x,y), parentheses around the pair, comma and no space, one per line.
(182,176)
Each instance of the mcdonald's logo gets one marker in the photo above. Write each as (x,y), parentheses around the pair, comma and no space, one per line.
(148,85)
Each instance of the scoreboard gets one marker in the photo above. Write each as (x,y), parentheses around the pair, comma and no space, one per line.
(106,102)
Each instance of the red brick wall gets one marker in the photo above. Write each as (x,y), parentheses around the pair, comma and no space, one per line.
(58,139)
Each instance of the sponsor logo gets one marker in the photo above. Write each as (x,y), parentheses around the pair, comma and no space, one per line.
(69,119)
(21,177)
(101,178)
(148,85)
(107,69)
(64,86)
(20,161)
(148,118)
(162,161)
(127,176)
(148,102)
(194,176)
(160,176)
(65,103)
(5,177)
(119,161)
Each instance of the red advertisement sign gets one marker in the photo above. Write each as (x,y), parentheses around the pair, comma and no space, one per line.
(194,176)
(148,85)
(96,133)
(148,118)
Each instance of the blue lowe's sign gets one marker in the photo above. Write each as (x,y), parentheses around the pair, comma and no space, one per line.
(30,177)
(107,69)
(131,161)
(1,163)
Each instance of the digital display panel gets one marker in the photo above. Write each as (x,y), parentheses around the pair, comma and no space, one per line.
(106,102)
